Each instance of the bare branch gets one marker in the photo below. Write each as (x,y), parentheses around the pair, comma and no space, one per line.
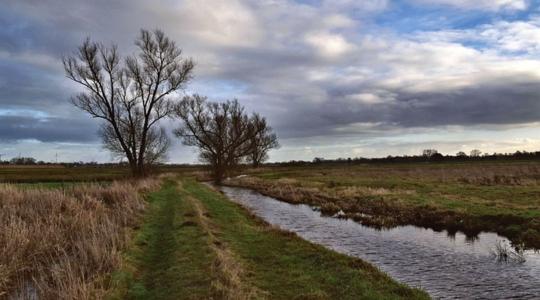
(223,132)
(131,94)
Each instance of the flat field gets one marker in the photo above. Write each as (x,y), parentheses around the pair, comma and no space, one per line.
(57,174)
(196,244)
(161,238)
(480,196)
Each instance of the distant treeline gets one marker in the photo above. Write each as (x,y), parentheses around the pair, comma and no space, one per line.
(29,161)
(429,155)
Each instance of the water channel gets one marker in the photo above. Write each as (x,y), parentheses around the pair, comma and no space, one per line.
(447,267)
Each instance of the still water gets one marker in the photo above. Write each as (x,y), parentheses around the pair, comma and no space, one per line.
(444,266)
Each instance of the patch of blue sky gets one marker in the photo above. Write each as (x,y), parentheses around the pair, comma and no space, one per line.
(407,16)
(18,112)
(404,17)
(309,2)
(219,89)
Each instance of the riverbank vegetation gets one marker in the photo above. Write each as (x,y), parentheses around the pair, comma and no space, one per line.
(62,244)
(469,197)
(196,244)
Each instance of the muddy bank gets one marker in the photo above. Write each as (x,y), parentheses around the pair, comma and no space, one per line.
(381,212)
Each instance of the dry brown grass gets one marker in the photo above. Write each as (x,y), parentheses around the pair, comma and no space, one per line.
(227,268)
(62,244)
(482,174)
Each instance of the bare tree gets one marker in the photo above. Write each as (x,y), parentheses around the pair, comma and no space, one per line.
(429,152)
(262,142)
(461,154)
(131,95)
(221,131)
(475,153)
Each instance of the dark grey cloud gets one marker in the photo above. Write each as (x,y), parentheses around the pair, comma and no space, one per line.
(493,103)
(13,128)
(25,85)
(498,102)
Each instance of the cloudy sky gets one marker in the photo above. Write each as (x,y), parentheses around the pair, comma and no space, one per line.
(336,78)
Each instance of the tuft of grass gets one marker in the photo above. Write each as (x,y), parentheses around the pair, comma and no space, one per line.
(58,244)
(228,270)
(505,253)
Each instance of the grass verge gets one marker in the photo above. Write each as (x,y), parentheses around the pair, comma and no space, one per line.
(197,244)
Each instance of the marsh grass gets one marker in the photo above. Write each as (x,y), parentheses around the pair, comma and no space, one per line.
(500,197)
(503,252)
(62,244)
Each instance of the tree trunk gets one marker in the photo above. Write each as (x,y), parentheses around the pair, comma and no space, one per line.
(219,173)
(138,170)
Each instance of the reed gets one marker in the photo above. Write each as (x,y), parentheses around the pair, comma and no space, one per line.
(62,244)
(505,253)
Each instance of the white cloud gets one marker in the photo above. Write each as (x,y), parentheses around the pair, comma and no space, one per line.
(329,45)
(370,6)
(372,97)
(493,5)
(215,22)
(515,36)
(521,36)
(335,21)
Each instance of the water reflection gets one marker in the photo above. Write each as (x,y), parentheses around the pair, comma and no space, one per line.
(447,265)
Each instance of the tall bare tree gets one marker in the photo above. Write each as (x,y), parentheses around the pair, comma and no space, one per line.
(262,142)
(131,95)
(221,131)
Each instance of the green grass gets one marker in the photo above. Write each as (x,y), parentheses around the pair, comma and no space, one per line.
(64,174)
(172,255)
(287,267)
(170,258)
(438,184)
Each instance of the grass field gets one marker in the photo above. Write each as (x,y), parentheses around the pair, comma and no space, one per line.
(79,240)
(196,244)
(472,197)
(192,243)
(58,174)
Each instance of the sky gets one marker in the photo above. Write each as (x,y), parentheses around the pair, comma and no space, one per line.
(334,78)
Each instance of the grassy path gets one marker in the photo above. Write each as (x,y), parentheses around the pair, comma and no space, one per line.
(196,244)
(170,255)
